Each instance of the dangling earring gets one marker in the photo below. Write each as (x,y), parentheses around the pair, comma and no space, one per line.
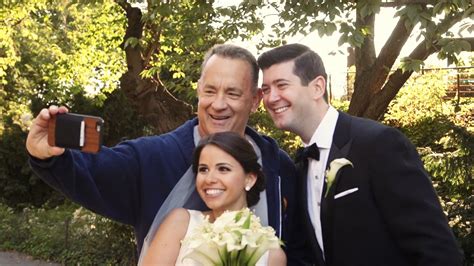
(247,188)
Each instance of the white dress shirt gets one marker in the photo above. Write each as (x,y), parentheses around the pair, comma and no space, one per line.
(316,169)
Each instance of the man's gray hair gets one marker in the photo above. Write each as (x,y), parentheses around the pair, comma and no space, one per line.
(234,52)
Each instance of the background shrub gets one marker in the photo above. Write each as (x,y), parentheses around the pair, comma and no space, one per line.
(67,234)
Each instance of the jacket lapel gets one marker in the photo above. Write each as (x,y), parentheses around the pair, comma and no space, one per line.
(340,148)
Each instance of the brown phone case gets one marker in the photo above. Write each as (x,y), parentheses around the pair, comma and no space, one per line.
(92,132)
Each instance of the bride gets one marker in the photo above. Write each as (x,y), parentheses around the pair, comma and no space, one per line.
(228,177)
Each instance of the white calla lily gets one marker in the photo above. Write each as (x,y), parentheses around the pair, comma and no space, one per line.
(207,253)
(334,167)
(235,238)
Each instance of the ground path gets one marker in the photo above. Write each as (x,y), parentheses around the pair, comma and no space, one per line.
(14,258)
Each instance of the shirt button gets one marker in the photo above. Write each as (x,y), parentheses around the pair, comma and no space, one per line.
(316,177)
(319,204)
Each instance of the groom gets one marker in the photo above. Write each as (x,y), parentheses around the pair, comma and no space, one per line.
(383,209)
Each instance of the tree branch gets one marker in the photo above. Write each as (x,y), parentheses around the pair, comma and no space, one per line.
(154,46)
(389,53)
(398,3)
(135,30)
(365,54)
(382,98)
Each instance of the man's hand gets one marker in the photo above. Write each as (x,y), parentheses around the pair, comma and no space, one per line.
(37,140)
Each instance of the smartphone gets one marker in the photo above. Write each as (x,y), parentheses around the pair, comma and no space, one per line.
(76,131)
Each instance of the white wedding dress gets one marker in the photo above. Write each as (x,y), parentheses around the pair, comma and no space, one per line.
(196,218)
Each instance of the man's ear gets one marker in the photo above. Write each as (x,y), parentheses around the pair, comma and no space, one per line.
(198,89)
(256,99)
(318,85)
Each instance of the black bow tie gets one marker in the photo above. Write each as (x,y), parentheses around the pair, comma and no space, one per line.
(311,151)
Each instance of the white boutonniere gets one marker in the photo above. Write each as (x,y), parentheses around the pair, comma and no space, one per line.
(334,167)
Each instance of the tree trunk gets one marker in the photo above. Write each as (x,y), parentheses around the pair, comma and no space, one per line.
(153,102)
(364,58)
(375,69)
(374,88)
(380,102)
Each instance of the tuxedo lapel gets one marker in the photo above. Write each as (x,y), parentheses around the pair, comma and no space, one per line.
(340,147)
(341,141)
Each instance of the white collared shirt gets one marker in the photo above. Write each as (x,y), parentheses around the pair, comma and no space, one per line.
(316,169)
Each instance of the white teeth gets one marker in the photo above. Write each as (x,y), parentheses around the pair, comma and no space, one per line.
(219,117)
(280,109)
(213,191)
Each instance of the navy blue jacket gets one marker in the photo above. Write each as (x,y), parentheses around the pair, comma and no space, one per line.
(129,182)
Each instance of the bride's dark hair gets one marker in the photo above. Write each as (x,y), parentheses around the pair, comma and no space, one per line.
(242,151)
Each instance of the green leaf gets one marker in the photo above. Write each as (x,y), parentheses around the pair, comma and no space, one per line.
(246,224)
(330,28)
(409,64)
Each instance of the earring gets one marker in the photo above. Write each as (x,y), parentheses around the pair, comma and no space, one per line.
(247,188)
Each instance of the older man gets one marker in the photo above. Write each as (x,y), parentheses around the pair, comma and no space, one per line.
(132,181)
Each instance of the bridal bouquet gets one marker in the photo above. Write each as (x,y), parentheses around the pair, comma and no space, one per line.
(235,238)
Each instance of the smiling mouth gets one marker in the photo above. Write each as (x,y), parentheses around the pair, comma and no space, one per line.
(219,117)
(280,110)
(213,191)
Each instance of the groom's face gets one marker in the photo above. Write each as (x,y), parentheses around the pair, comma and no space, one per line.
(285,98)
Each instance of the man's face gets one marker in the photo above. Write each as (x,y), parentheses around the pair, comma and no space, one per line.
(225,96)
(285,99)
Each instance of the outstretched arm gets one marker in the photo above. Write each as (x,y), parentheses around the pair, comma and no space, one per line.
(164,248)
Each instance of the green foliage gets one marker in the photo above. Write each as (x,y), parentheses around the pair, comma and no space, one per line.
(54,52)
(450,161)
(421,99)
(178,33)
(342,105)
(443,131)
(408,64)
(327,17)
(67,234)
(450,47)
(18,185)
(122,120)
(62,49)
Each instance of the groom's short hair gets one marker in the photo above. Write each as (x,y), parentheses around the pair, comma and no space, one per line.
(308,64)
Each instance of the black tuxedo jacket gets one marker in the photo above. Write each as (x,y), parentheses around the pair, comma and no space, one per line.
(381,211)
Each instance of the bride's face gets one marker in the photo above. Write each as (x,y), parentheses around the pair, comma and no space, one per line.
(221,180)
